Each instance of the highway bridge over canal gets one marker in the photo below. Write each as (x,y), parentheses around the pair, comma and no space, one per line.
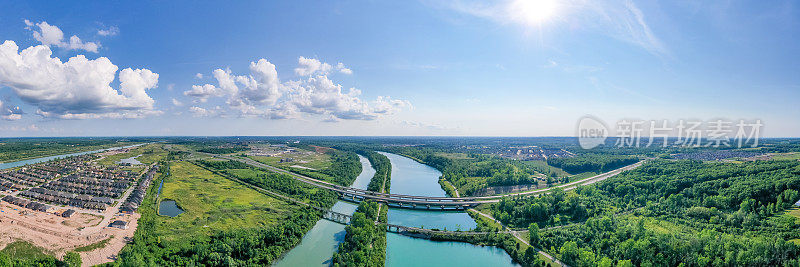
(342,218)
(420,202)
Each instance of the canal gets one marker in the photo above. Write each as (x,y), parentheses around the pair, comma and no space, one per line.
(322,241)
(43,159)
(413,178)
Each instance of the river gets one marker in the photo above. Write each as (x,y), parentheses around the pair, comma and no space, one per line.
(413,178)
(322,241)
(408,177)
(43,159)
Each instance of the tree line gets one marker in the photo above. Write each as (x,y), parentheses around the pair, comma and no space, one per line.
(365,240)
(383,172)
(71,259)
(668,213)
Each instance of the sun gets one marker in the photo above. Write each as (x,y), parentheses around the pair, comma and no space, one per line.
(533,12)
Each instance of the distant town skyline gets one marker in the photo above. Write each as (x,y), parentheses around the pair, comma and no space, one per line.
(443,68)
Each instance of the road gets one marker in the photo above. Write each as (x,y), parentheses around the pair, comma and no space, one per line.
(572,185)
(487,199)
(424,200)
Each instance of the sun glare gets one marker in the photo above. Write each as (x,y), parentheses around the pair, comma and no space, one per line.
(533,12)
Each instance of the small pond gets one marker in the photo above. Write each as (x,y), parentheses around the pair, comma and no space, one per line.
(169,208)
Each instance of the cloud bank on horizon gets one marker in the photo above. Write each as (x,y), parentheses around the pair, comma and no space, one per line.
(83,88)
(261,94)
(79,88)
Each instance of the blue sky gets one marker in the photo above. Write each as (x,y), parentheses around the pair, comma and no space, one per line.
(508,68)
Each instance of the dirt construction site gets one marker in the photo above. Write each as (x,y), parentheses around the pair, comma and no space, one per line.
(90,234)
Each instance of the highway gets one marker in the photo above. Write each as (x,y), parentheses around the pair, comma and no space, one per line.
(422,202)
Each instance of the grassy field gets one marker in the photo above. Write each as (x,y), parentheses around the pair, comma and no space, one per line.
(250,173)
(213,203)
(581,176)
(485,222)
(542,185)
(453,155)
(542,164)
(787,156)
(23,250)
(794,212)
(149,154)
(90,247)
(308,159)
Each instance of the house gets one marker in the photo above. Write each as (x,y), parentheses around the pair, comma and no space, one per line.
(119,224)
(68,213)
(128,208)
(104,200)
(797,204)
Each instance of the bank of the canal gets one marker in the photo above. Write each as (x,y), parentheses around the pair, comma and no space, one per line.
(43,159)
(322,241)
(413,178)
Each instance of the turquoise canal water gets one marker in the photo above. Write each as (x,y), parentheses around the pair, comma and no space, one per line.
(408,177)
(405,251)
(413,178)
(319,244)
(37,160)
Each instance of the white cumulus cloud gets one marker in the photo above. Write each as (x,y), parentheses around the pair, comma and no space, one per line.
(50,35)
(343,69)
(14,128)
(311,66)
(111,31)
(202,112)
(9,113)
(79,88)
(261,93)
(203,92)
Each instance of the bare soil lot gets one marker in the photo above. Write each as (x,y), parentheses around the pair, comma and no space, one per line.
(59,235)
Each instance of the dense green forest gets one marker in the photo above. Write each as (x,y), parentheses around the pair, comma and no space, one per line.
(71,259)
(255,246)
(591,163)
(365,241)
(383,172)
(344,168)
(668,212)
